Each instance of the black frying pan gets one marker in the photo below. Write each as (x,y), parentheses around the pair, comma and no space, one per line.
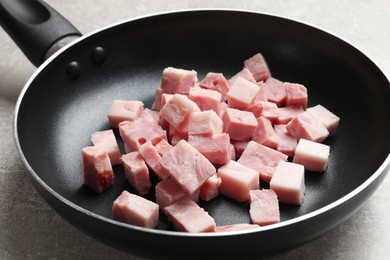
(68,97)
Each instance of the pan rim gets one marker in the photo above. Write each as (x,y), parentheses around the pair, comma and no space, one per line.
(380,171)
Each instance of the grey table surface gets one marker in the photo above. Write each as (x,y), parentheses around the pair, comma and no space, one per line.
(30,229)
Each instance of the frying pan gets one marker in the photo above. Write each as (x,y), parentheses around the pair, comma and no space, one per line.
(68,96)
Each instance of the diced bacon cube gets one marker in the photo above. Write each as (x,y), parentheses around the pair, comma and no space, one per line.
(206,123)
(165,98)
(210,189)
(151,115)
(188,216)
(232,152)
(157,99)
(313,156)
(163,147)
(289,183)
(265,133)
(242,93)
(152,158)
(238,180)
(239,147)
(216,81)
(236,227)
(137,173)
(206,99)
(264,207)
(176,135)
(188,167)
(167,192)
(177,110)
(261,159)
(275,91)
(306,126)
(269,110)
(215,148)
(239,124)
(296,94)
(256,108)
(97,169)
(124,110)
(244,73)
(107,141)
(330,120)
(135,210)
(286,144)
(258,67)
(261,96)
(223,107)
(134,135)
(286,114)
(178,81)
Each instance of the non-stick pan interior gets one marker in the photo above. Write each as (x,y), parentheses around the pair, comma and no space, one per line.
(58,114)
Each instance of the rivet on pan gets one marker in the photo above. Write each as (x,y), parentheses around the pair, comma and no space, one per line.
(73,70)
(98,55)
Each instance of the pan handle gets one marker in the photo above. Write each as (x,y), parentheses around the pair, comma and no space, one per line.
(36,28)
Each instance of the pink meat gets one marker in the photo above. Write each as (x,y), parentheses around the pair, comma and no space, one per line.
(188,167)
(157,99)
(216,148)
(176,135)
(264,207)
(239,124)
(132,209)
(210,189)
(286,144)
(188,216)
(223,107)
(134,135)
(312,155)
(242,93)
(258,67)
(137,173)
(151,115)
(286,114)
(167,192)
(177,110)
(265,133)
(152,158)
(97,169)
(206,123)
(296,94)
(261,159)
(236,227)
(306,126)
(330,120)
(261,96)
(269,110)
(288,183)
(275,91)
(239,147)
(244,73)
(165,98)
(206,99)
(216,81)
(178,81)
(124,110)
(163,147)
(107,141)
(238,180)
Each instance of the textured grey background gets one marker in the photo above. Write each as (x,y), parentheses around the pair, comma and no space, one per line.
(29,229)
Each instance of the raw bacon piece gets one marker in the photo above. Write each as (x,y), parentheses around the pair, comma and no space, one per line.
(289,183)
(242,94)
(188,216)
(167,192)
(239,147)
(265,133)
(216,81)
(151,115)
(163,147)
(206,123)
(223,107)
(269,110)
(210,189)
(137,173)
(296,94)
(258,67)
(275,91)
(124,110)
(107,141)
(330,120)
(236,227)
(239,124)
(286,114)
(244,73)
(306,126)
(261,159)
(238,180)
(97,169)
(152,158)
(312,155)
(261,94)
(188,167)
(206,99)
(286,144)
(178,81)
(264,207)
(216,148)
(132,209)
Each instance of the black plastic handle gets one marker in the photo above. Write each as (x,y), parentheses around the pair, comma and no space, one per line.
(35,27)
